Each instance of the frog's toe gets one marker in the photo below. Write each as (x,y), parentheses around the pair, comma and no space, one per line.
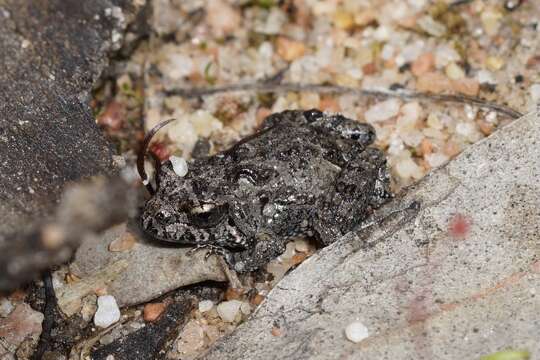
(211,250)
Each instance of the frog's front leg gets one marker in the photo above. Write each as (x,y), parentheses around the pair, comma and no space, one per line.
(266,247)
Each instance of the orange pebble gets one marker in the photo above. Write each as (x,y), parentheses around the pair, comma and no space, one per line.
(329,104)
(153,311)
(257,299)
(485,127)
(426,147)
(276,331)
(423,64)
(369,68)
(233,294)
(451,149)
(466,86)
(298,258)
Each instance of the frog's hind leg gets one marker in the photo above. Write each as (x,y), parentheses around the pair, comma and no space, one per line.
(361,186)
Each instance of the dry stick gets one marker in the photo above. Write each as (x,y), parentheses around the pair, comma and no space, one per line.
(49,312)
(336,89)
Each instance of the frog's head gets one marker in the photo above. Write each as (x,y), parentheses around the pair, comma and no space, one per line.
(183,209)
(188,210)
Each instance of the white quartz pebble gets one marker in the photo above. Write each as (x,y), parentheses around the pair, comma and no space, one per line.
(356,332)
(383,111)
(179,165)
(205,305)
(227,310)
(535,92)
(107,312)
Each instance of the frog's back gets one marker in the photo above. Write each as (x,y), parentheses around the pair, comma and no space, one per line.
(286,158)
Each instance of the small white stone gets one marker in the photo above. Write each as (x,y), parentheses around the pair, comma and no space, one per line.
(6,307)
(356,332)
(469,131)
(409,116)
(470,112)
(406,168)
(486,77)
(535,92)
(108,312)
(323,7)
(431,26)
(277,269)
(400,61)
(396,145)
(491,117)
(454,72)
(413,51)
(176,65)
(434,122)
(222,17)
(383,111)
(205,123)
(109,357)
(387,52)
(275,21)
(412,137)
(227,310)
(266,50)
(205,305)
(445,54)
(245,308)
(491,20)
(434,133)
(288,253)
(182,132)
(301,245)
(382,33)
(436,159)
(179,165)
(191,339)
(417,4)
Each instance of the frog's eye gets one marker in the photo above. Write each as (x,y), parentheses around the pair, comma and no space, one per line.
(207,215)
(313,115)
(205,208)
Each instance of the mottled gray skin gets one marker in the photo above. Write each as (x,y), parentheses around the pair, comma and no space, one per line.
(302,173)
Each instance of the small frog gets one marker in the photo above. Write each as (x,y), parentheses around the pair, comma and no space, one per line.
(303,173)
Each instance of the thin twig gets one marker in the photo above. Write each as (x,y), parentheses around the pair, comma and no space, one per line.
(459,3)
(336,89)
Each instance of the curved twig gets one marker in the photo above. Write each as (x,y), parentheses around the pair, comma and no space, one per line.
(336,89)
(142,154)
